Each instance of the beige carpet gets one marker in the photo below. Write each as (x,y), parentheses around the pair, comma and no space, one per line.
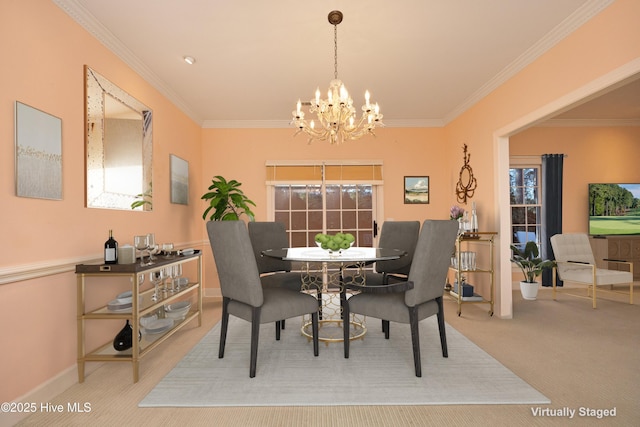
(575,355)
(289,375)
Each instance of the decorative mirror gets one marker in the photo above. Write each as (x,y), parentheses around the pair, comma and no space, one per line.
(119,146)
(467,184)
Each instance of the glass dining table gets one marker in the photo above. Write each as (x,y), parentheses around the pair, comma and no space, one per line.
(329,273)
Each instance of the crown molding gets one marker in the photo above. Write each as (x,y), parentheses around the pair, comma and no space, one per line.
(83,17)
(587,11)
(414,123)
(555,123)
(286,124)
(246,124)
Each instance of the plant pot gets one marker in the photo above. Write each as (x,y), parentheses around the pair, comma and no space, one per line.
(529,290)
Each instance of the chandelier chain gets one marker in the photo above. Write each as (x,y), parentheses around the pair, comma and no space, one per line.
(335,52)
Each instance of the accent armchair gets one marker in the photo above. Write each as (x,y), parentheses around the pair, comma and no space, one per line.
(577,264)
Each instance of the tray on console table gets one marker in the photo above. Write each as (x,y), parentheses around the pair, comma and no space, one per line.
(159,262)
(140,306)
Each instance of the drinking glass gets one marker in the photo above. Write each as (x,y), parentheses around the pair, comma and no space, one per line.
(140,280)
(168,273)
(177,273)
(151,240)
(167,248)
(141,243)
(157,277)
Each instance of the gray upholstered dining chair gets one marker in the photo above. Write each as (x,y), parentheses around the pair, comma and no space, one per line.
(275,272)
(401,235)
(418,298)
(242,293)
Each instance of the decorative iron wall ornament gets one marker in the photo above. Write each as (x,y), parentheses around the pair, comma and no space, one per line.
(467,183)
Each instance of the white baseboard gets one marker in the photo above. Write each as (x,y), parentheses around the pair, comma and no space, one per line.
(46,391)
(212,293)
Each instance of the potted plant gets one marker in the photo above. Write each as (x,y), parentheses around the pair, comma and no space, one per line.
(529,261)
(227,201)
(143,199)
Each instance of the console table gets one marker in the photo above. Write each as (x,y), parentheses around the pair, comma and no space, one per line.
(143,303)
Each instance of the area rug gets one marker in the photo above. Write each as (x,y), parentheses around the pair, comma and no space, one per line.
(378,372)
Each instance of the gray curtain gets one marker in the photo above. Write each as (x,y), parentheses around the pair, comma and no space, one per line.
(551,208)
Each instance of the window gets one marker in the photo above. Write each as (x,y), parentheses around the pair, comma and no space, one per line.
(299,208)
(526,207)
(310,209)
(311,198)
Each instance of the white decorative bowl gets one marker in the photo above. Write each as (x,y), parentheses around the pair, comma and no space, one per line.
(158,326)
(125,297)
(148,319)
(177,310)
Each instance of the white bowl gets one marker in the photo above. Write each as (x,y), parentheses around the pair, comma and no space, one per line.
(177,310)
(148,319)
(126,298)
(159,326)
(118,306)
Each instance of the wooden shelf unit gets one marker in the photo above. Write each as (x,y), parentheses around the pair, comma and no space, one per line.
(141,306)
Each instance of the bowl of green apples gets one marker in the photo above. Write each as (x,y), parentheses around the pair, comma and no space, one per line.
(335,244)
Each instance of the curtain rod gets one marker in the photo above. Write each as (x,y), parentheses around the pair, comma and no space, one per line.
(531,155)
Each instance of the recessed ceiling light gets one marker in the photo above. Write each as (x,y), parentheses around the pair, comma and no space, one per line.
(189,60)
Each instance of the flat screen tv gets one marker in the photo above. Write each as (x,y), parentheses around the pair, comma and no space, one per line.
(614,209)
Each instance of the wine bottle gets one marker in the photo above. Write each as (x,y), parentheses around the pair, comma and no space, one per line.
(111,250)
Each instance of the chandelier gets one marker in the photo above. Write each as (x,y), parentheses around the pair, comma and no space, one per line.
(336,116)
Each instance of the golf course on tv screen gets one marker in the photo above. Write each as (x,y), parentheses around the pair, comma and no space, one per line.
(614,209)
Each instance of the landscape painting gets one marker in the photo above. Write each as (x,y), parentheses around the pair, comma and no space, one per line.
(416,189)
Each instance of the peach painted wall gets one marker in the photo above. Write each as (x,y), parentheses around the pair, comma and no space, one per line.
(609,41)
(44,52)
(594,154)
(241,154)
(47,51)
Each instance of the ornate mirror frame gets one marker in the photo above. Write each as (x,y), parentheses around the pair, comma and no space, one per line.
(118,146)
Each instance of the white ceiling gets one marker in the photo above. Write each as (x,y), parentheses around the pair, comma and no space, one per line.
(424,61)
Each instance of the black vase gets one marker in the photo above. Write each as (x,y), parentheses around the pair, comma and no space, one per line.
(124,339)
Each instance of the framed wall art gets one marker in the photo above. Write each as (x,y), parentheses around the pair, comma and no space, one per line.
(416,190)
(179,180)
(38,139)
